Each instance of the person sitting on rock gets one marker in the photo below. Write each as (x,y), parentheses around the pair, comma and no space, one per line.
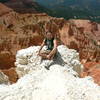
(51,43)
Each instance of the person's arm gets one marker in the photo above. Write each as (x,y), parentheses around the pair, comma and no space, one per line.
(54,48)
(43,43)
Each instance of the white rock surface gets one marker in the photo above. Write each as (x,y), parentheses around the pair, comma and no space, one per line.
(60,82)
(27,60)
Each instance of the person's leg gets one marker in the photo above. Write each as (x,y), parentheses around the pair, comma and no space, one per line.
(53,54)
(44,54)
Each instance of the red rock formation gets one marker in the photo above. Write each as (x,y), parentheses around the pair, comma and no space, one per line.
(4,10)
(92,69)
(11,73)
(19,31)
(82,35)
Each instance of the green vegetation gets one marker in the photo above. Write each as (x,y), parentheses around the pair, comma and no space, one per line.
(78,9)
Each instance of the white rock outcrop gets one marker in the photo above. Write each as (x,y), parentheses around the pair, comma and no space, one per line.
(27,60)
(60,82)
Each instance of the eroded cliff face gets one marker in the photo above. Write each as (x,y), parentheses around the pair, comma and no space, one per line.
(20,30)
(92,69)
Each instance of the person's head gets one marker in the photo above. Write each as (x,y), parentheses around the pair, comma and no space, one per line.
(49,35)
